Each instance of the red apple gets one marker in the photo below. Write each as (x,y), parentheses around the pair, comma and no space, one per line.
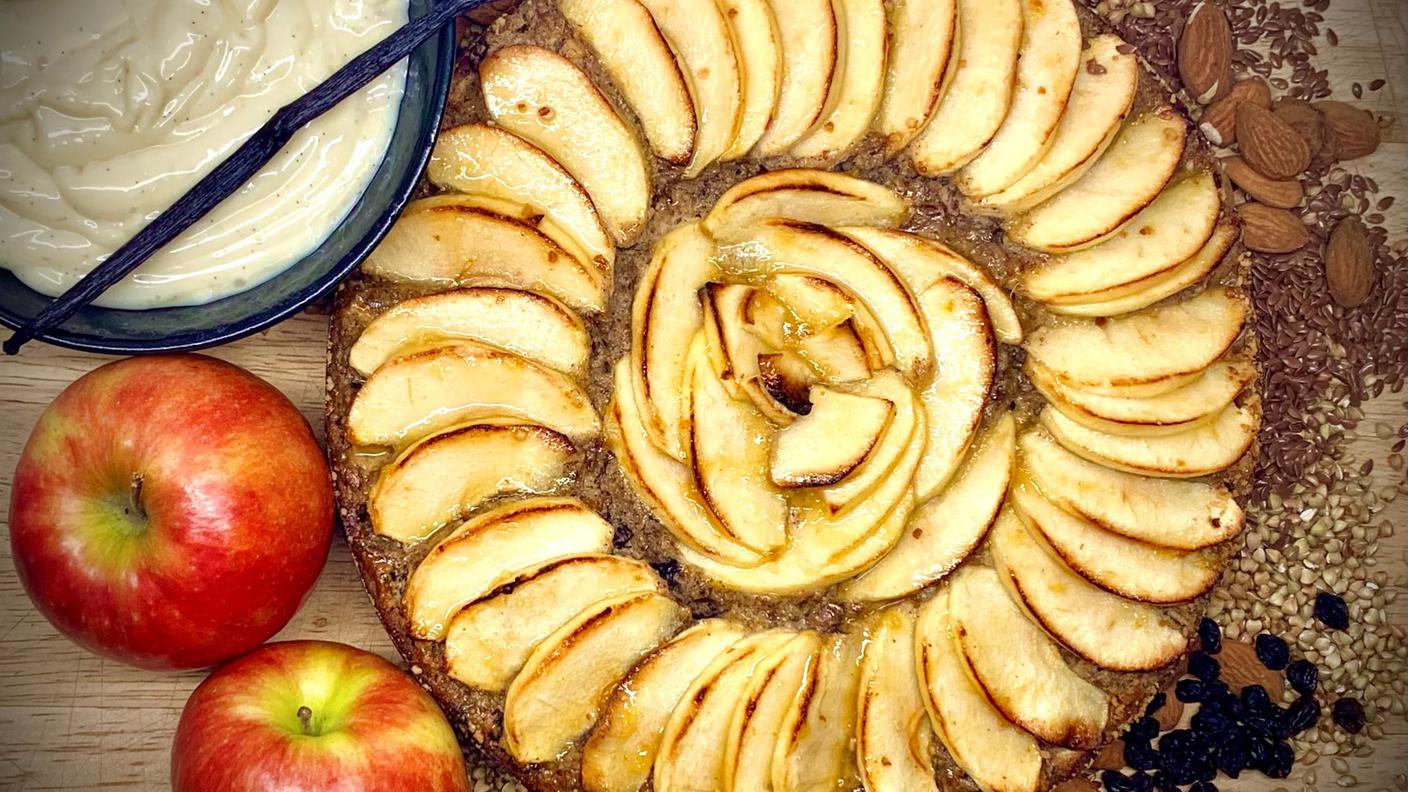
(171,511)
(312,716)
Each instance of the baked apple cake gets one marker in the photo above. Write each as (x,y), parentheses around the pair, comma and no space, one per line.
(798,395)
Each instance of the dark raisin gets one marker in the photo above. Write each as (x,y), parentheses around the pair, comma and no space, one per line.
(1155,704)
(1140,755)
(1279,764)
(1303,713)
(669,569)
(1162,783)
(1143,782)
(621,536)
(1142,730)
(1202,666)
(1258,752)
(1203,786)
(1255,699)
(1189,691)
(1210,636)
(1303,676)
(1331,611)
(1232,756)
(1348,714)
(1115,781)
(1272,651)
(1213,720)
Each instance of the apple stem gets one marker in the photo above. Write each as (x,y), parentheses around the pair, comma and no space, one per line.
(305,717)
(134,498)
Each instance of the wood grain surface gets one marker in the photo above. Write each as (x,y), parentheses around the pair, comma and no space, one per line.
(72,721)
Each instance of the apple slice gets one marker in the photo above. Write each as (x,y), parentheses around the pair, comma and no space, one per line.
(631,50)
(923,37)
(859,83)
(893,737)
(469,240)
(998,755)
(977,99)
(1033,688)
(826,445)
(1144,293)
(485,160)
(558,694)
(1101,97)
(1050,56)
(897,436)
(814,250)
(1192,405)
(758,45)
(1160,348)
(1107,630)
(445,476)
(699,36)
(527,324)
(1127,177)
(921,262)
(489,640)
(756,724)
(664,318)
(819,304)
(803,196)
(545,99)
(944,531)
(664,483)
(787,378)
(729,445)
(807,31)
(425,392)
(492,549)
(1123,566)
(1182,515)
(1168,232)
(736,352)
(691,755)
(837,353)
(814,746)
(1200,451)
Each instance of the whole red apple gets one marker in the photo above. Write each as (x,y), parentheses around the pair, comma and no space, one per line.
(313,716)
(171,511)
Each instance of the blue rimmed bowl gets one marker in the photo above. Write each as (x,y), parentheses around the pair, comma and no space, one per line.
(196,327)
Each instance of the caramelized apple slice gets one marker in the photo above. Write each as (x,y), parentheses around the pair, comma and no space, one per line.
(923,36)
(898,435)
(787,377)
(837,353)
(735,350)
(758,45)
(861,42)
(1192,405)
(756,724)
(558,694)
(492,549)
(893,737)
(826,445)
(1200,451)
(814,748)
(802,196)
(807,31)
(1033,688)
(1144,293)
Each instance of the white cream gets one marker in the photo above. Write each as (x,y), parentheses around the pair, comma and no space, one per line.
(110,110)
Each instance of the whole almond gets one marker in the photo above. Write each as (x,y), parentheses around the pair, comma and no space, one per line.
(1219,122)
(1266,229)
(1349,263)
(1304,119)
(1269,144)
(1240,667)
(1205,53)
(1109,757)
(1353,132)
(1171,712)
(1280,193)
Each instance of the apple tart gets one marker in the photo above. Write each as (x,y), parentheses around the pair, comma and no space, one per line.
(821,394)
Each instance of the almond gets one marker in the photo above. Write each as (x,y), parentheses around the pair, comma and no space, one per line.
(1352,132)
(1269,144)
(1267,229)
(1077,784)
(1349,263)
(1171,713)
(1205,53)
(1280,193)
(1219,123)
(1109,757)
(1240,667)
(1304,119)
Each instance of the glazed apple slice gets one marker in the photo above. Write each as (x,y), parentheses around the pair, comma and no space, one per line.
(1144,293)
(664,483)
(470,240)
(1155,350)
(737,353)
(691,755)
(558,694)
(807,32)
(1127,177)
(531,325)
(923,37)
(1050,56)
(545,99)
(489,640)
(999,756)
(1117,564)
(827,444)
(485,160)
(756,724)
(977,100)
(493,548)
(629,47)
(899,432)
(699,37)
(1168,232)
(758,45)
(1106,630)
(1033,688)
(814,746)
(893,737)
(837,353)
(859,82)
(805,196)
(787,377)
(1200,451)
(425,392)
(1182,515)
(944,531)
(448,475)
(1101,97)
(817,303)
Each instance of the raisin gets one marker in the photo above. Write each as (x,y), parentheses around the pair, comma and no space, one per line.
(1303,676)
(1272,651)
(669,569)
(1210,636)
(1331,611)
(620,536)
(1303,713)
(1203,786)
(1188,691)
(1348,714)
(1232,757)
(1255,700)
(1142,730)
(1115,781)
(1140,755)
(1279,764)
(1202,666)
(1155,704)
